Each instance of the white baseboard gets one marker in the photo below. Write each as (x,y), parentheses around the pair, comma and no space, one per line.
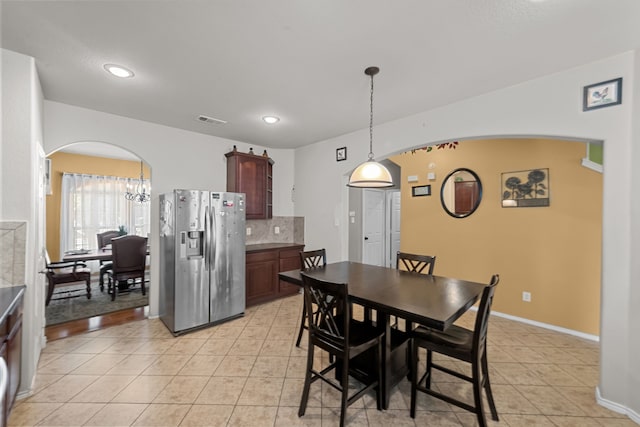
(616,407)
(544,325)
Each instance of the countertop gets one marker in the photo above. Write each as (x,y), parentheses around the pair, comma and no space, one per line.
(269,246)
(8,297)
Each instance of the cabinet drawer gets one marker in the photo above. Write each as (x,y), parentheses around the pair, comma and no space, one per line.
(287,264)
(262,256)
(291,253)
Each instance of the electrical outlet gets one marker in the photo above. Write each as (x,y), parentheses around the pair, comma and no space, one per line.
(526,296)
(248,231)
(276,230)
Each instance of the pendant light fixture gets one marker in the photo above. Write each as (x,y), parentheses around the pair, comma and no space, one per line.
(370,174)
(140,195)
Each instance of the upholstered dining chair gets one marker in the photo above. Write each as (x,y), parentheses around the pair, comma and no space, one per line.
(333,329)
(129,255)
(461,344)
(104,239)
(309,260)
(65,273)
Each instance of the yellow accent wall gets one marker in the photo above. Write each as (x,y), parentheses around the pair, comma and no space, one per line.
(553,252)
(77,163)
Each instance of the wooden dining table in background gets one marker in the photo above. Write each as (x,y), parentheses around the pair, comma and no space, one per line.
(433,301)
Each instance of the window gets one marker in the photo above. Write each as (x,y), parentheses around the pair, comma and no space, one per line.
(92,204)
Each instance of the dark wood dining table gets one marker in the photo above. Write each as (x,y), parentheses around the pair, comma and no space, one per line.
(433,301)
(103,254)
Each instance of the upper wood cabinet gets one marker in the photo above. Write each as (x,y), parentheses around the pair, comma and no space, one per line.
(252,175)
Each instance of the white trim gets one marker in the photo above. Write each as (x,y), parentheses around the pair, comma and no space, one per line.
(616,407)
(578,334)
(592,165)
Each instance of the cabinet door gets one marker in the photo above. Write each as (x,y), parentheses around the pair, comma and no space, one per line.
(261,275)
(14,347)
(252,180)
(466,196)
(289,260)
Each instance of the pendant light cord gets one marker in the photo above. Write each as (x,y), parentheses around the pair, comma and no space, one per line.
(371,122)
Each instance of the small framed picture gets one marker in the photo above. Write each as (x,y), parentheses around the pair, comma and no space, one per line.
(603,94)
(421,190)
(341,154)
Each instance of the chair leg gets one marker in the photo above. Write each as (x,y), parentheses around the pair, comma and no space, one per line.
(427,383)
(49,293)
(487,387)
(379,393)
(307,381)
(302,322)
(101,280)
(476,375)
(142,285)
(89,288)
(414,377)
(344,381)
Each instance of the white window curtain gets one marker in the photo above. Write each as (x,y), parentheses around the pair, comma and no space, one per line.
(92,204)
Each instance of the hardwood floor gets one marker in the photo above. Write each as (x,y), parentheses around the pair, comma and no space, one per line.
(81,326)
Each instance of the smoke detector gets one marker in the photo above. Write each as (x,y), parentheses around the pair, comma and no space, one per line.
(207,119)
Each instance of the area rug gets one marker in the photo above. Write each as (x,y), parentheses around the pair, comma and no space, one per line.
(65,310)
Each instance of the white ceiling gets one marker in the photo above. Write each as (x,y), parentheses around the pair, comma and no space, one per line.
(239,60)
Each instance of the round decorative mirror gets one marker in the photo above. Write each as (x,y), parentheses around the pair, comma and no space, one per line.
(461,193)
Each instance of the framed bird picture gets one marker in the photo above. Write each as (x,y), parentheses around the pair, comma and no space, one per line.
(603,94)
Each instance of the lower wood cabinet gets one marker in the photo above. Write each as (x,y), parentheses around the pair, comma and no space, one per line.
(11,344)
(263,263)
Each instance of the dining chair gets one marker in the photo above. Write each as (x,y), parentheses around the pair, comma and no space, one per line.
(416,264)
(461,344)
(104,239)
(64,273)
(309,260)
(129,257)
(333,329)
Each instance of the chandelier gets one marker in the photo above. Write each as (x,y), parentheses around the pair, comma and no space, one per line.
(370,174)
(140,195)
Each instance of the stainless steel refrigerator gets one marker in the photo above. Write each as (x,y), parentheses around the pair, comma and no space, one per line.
(202,258)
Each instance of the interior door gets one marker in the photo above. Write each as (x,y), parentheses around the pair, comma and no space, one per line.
(373,250)
(393,202)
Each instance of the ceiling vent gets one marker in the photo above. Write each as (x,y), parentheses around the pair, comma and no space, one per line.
(213,120)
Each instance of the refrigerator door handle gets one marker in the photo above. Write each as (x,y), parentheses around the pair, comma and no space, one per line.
(207,233)
(213,237)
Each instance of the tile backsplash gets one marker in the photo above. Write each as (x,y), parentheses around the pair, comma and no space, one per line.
(290,230)
(13,238)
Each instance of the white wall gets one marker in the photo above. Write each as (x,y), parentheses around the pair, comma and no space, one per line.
(22,191)
(178,159)
(549,106)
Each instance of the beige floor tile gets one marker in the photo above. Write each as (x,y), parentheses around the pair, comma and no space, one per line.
(434,418)
(246,347)
(66,345)
(201,365)
(554,375)
(44,380)
(549,401)
(261,391)
(518,373)
(586,374)
(514,420)
(133,364)
(584,398)
(167,364)
(245,416)
(46,358)
(355,417)
(564,421)
(292,393)
(99,365)
(270,366)
(72,414)
(510,401)
(162,415)
(30,414)
(288,417)
(65,364)
(297,367)
(124,346)
(235,366)
(617,422)
(186,346)
(104,389)
(182,390)
(97,345)
(392,417)
(254,333)
(117,414)
(287,333)
(64,389)
(143,389)
(216,347)
(276,348)
(155,346)
(208,415)
(221,391)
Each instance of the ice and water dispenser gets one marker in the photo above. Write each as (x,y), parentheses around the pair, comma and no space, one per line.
(191,244)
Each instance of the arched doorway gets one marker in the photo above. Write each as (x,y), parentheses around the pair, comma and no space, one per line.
(86,196)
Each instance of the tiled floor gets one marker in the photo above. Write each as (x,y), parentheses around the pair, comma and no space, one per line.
(248,372)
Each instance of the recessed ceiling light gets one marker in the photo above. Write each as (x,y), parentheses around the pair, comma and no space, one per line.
(271,119)
(118,71)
